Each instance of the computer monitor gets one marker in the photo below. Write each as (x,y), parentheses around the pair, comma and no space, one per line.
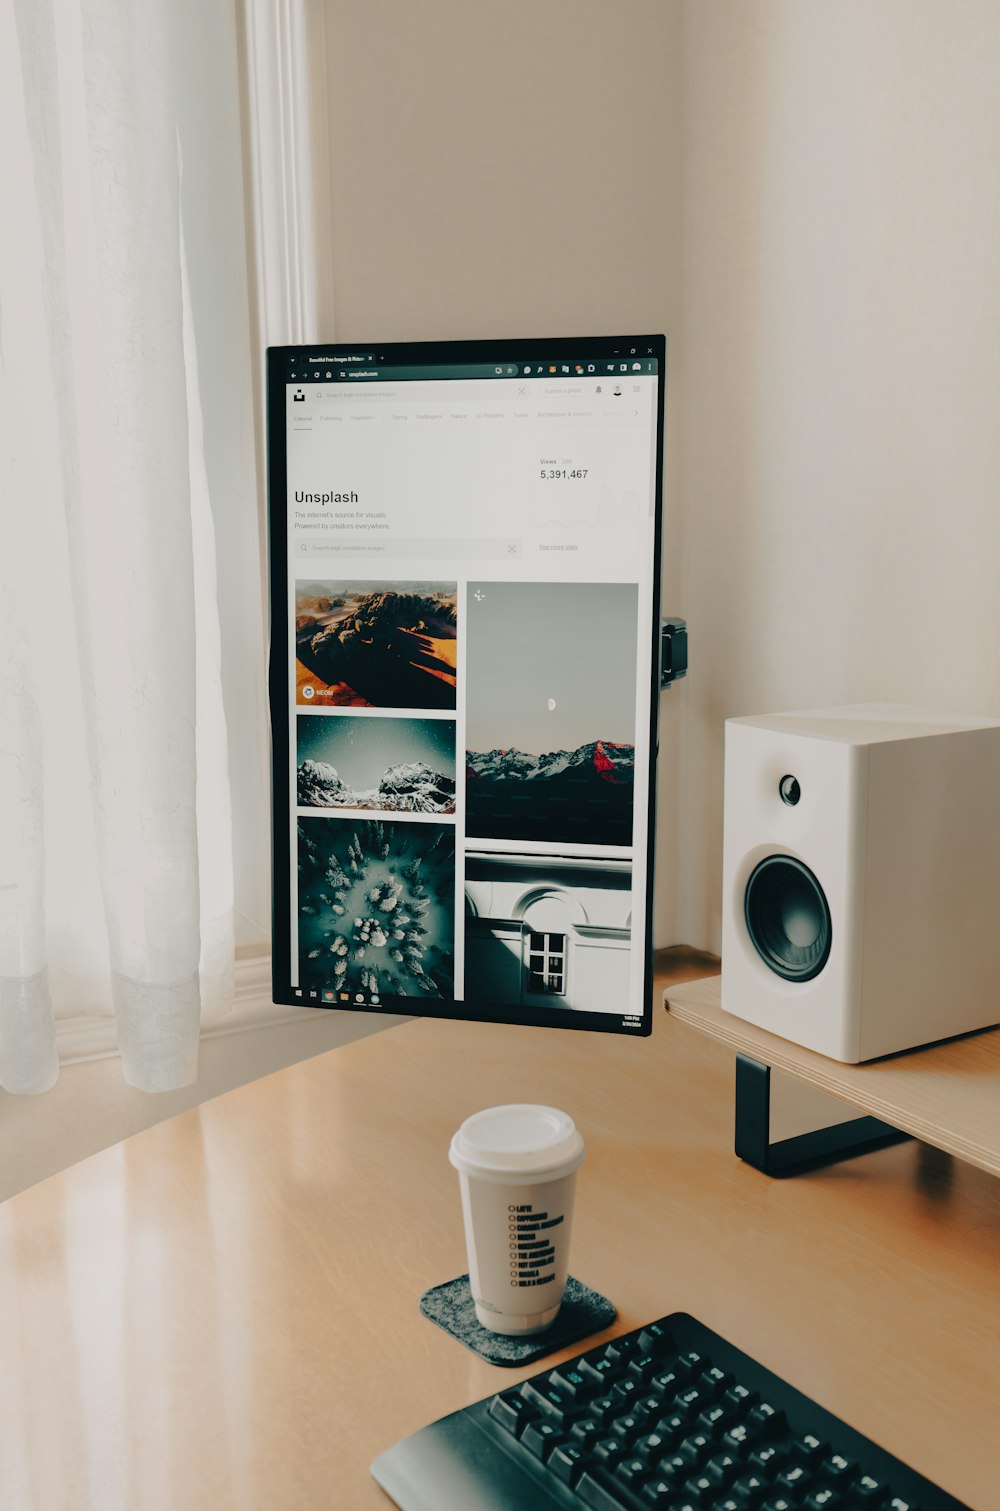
(464,676)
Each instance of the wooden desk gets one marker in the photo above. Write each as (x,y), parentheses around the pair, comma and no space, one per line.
(221,1312)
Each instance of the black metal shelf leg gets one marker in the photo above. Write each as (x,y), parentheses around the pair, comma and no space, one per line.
(807,1151)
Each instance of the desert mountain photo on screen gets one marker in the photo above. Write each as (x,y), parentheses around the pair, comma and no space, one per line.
(582,796)
(550,695)
(375,645)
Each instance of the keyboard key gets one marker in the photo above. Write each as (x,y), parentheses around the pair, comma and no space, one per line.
(511,1411)
(674,1468)
(643,1368)
(566,1461)
(809,1448)
(695,1449)
(771,1422)
(698,1487)
(573,1382)
(593,1494)
(768,1458)
(752,1488)
(551,1403)
(837,1470)
(778,1503)
(631,1471)
(674,1425)
(668,1382)
(824,1498)
(601,1407)
(595,1370)
(714,1380)
(608,1451)
(795,1479)
(652,1446)
(660,1492)
(586,1431)
(626,1391)
(650,1404)
(712,1421)
(628,1426)
(723,1469)
(539,1437)
(692,1400)
(656,1339)
(622,1349)
(869,1491)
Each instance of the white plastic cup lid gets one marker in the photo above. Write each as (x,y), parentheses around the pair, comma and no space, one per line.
(520,1141)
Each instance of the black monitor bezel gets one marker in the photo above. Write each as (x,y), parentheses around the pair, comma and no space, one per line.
(436,353)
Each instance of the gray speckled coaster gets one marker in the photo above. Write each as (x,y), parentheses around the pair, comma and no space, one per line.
(450,1305)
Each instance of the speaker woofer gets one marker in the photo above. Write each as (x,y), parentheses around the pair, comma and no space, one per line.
(788,918)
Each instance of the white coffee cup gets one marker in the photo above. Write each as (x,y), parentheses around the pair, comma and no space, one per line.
(517,1171)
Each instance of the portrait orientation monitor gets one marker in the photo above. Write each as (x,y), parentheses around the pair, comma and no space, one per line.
(464,677)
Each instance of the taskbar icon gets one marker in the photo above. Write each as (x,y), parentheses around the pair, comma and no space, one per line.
(342,998)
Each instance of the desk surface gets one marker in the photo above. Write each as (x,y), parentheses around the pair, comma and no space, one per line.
(222,1311)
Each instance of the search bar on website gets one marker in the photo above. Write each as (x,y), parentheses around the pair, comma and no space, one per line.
(422,549)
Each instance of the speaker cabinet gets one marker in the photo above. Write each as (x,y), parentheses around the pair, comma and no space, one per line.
(861,876)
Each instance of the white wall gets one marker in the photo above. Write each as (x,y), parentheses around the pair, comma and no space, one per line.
(841,386)
(806,197)
(512,168)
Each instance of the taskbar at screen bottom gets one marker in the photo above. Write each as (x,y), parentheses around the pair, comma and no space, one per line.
(553,1015)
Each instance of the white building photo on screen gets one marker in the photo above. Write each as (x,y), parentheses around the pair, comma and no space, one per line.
(548,934)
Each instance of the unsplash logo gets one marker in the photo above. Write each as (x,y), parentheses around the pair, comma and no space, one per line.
(326,498)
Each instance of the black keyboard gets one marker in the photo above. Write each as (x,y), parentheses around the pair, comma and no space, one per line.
(669,1416)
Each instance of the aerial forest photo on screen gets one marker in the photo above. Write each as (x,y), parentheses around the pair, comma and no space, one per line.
(376,907)
(550,711)
(375,644)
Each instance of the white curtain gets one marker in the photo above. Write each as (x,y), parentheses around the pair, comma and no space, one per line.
(115,832)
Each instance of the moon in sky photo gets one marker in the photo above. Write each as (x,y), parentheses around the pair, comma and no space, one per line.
(550,712)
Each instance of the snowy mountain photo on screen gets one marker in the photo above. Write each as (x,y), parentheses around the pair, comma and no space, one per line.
(390,765)
(550,712)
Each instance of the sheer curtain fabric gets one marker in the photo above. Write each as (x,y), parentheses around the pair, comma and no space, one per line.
(115,835)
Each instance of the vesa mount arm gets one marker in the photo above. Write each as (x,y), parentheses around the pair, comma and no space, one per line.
(673,651)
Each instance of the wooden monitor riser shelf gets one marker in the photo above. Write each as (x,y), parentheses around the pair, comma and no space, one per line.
(947,1094)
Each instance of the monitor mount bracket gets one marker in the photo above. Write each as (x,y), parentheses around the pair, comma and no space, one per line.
(673,651)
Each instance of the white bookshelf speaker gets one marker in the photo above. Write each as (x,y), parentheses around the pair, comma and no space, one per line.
(861,876)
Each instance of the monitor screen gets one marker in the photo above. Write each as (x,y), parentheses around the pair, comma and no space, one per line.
(464,677)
